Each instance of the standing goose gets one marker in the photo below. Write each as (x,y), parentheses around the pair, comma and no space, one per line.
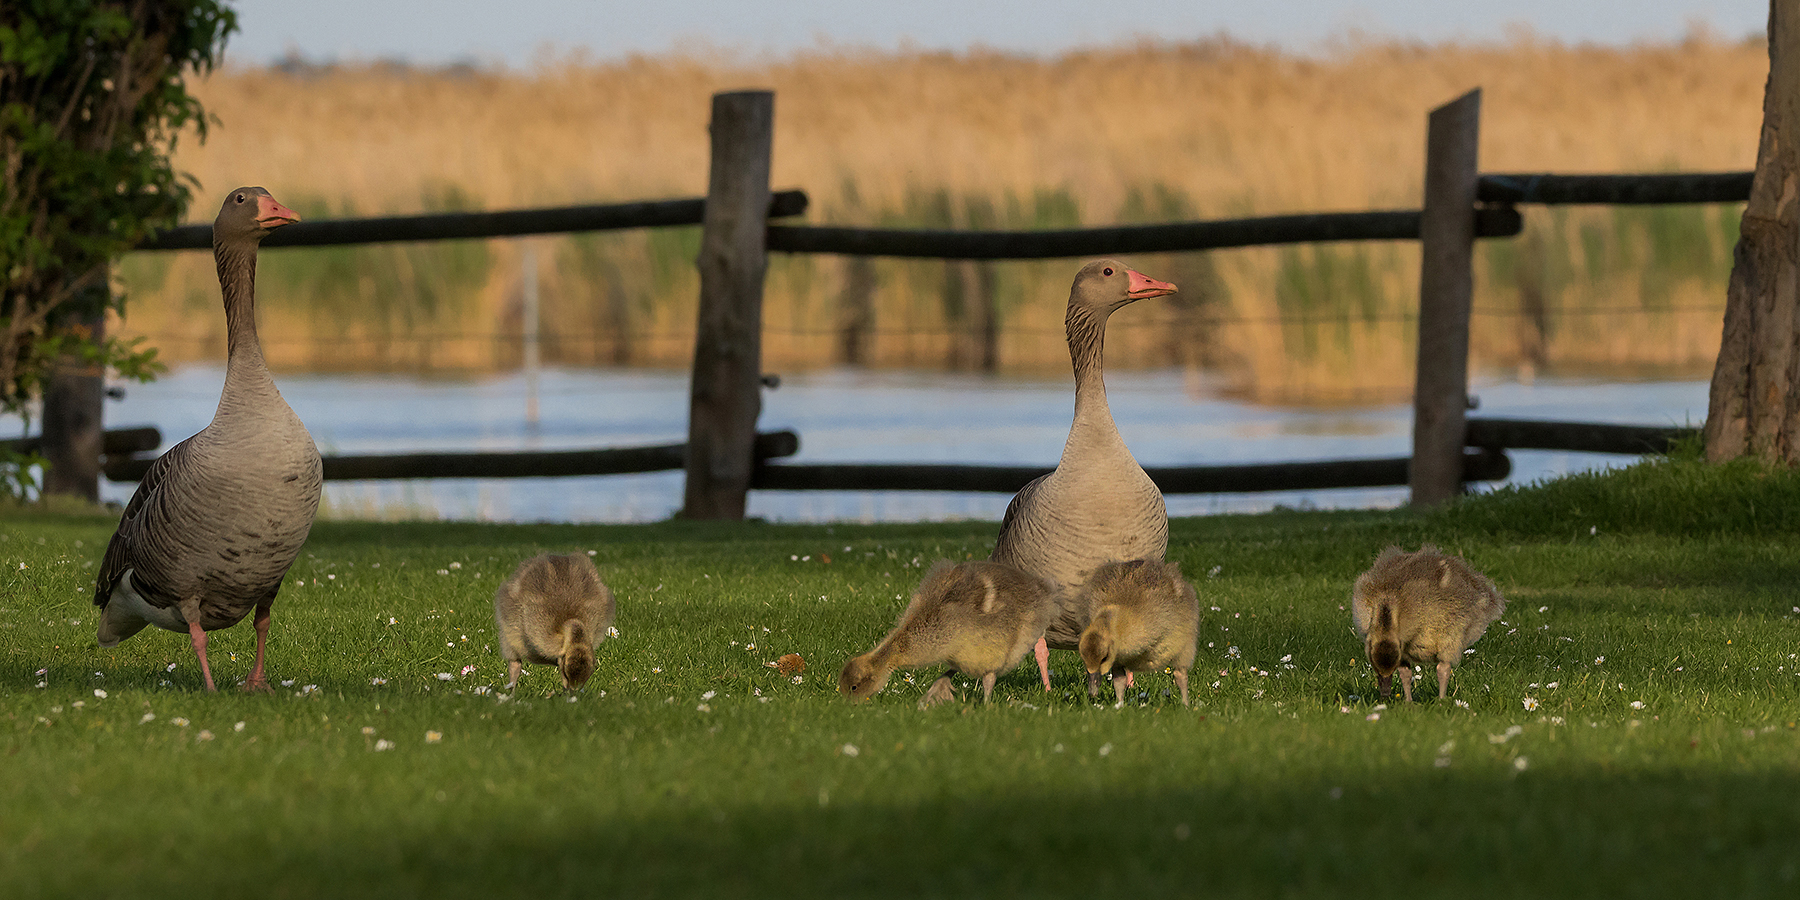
(216,521)
(1098,505)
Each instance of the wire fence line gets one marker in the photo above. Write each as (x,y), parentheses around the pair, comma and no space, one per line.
(550,334)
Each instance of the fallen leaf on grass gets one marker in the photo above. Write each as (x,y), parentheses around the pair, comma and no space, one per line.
(788,664)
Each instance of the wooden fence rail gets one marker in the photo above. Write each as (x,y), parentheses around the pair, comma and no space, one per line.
(1486,461)
(1693,187)
(114,442)
(1392,225)
(519,464)
(456,226)
(1480,464)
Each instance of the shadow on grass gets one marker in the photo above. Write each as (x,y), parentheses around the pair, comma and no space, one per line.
(1437,833)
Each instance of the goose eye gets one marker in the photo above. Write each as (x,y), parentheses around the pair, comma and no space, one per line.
(240,198)
(1106,271)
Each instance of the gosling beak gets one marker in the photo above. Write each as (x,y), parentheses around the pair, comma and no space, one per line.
(1094,684)
(1143,286)
(1386,683)
(271,214)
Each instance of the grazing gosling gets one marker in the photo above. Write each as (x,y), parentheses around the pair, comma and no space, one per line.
(981,617)
(1423,607)
(1146,617)
(553,611)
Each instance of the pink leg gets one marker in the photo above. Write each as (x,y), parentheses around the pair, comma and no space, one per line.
(1128,679)
(257,680)
(198,636)
(1042,652)
(513,670)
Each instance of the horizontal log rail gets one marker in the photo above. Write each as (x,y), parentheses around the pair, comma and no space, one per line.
(1579,437)
(522,464)
(1478,465)
(1687,187)
(1390,225)
(457,226)
(113,442)
(1486,460)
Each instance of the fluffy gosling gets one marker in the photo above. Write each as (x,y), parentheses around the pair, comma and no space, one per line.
(1417,608)
(553,611)
(980,617)
(1146,617)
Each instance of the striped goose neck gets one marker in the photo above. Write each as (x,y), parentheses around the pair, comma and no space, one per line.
(1086,330)
(245,369)
(236,262)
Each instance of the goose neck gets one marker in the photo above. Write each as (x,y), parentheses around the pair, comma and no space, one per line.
(236,263)
(1087,336)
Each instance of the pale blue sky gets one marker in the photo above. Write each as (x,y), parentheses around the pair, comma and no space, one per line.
(512,32)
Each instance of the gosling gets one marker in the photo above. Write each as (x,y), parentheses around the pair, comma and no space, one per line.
(1146,617)
(980,617)
(553,611)
(1417,608)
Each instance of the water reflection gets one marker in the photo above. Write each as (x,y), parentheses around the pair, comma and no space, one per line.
(845,416)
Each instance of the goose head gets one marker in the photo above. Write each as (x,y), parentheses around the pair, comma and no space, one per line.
(1105,285)
(250,212)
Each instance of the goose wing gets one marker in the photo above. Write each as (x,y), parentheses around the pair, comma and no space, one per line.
(121,551)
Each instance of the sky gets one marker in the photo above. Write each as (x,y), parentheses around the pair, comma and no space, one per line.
(515,33)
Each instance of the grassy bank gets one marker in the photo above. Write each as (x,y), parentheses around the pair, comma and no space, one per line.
(1629,728)
(1208,129)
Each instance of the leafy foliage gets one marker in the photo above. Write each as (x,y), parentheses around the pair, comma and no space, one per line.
(92,99)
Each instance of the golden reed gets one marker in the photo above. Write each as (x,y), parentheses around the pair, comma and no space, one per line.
(1207,129)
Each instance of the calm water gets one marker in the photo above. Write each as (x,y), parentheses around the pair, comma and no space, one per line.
(852,417)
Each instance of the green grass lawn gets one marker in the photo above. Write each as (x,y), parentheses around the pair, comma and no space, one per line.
(1628,729)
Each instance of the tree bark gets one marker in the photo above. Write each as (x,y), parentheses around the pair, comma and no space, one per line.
(1752,409)
(73,426)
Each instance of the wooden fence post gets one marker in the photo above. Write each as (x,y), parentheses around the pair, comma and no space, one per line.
(725,394)
(1446,283)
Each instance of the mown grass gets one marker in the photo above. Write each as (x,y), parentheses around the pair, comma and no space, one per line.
(688,767)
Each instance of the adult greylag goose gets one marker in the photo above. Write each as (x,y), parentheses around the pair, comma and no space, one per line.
(553,611)
(1097,506)
(1420,608)
(216,521)
(981,617)
(1145,617)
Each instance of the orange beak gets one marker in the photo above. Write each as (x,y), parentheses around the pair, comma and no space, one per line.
(271,214)
(1143,286)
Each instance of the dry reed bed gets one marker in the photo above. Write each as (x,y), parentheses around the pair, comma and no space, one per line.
(1208,129)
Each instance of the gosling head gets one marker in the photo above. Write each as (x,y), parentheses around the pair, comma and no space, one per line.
(861,679)
(1098,652)
(576,662)
(576,666)
(1384,655)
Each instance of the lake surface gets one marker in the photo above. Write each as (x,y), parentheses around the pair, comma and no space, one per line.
(852,416)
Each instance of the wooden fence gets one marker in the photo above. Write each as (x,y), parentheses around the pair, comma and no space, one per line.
(724,457)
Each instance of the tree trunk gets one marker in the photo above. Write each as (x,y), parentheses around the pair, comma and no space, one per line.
(1753,405)
(73,426)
